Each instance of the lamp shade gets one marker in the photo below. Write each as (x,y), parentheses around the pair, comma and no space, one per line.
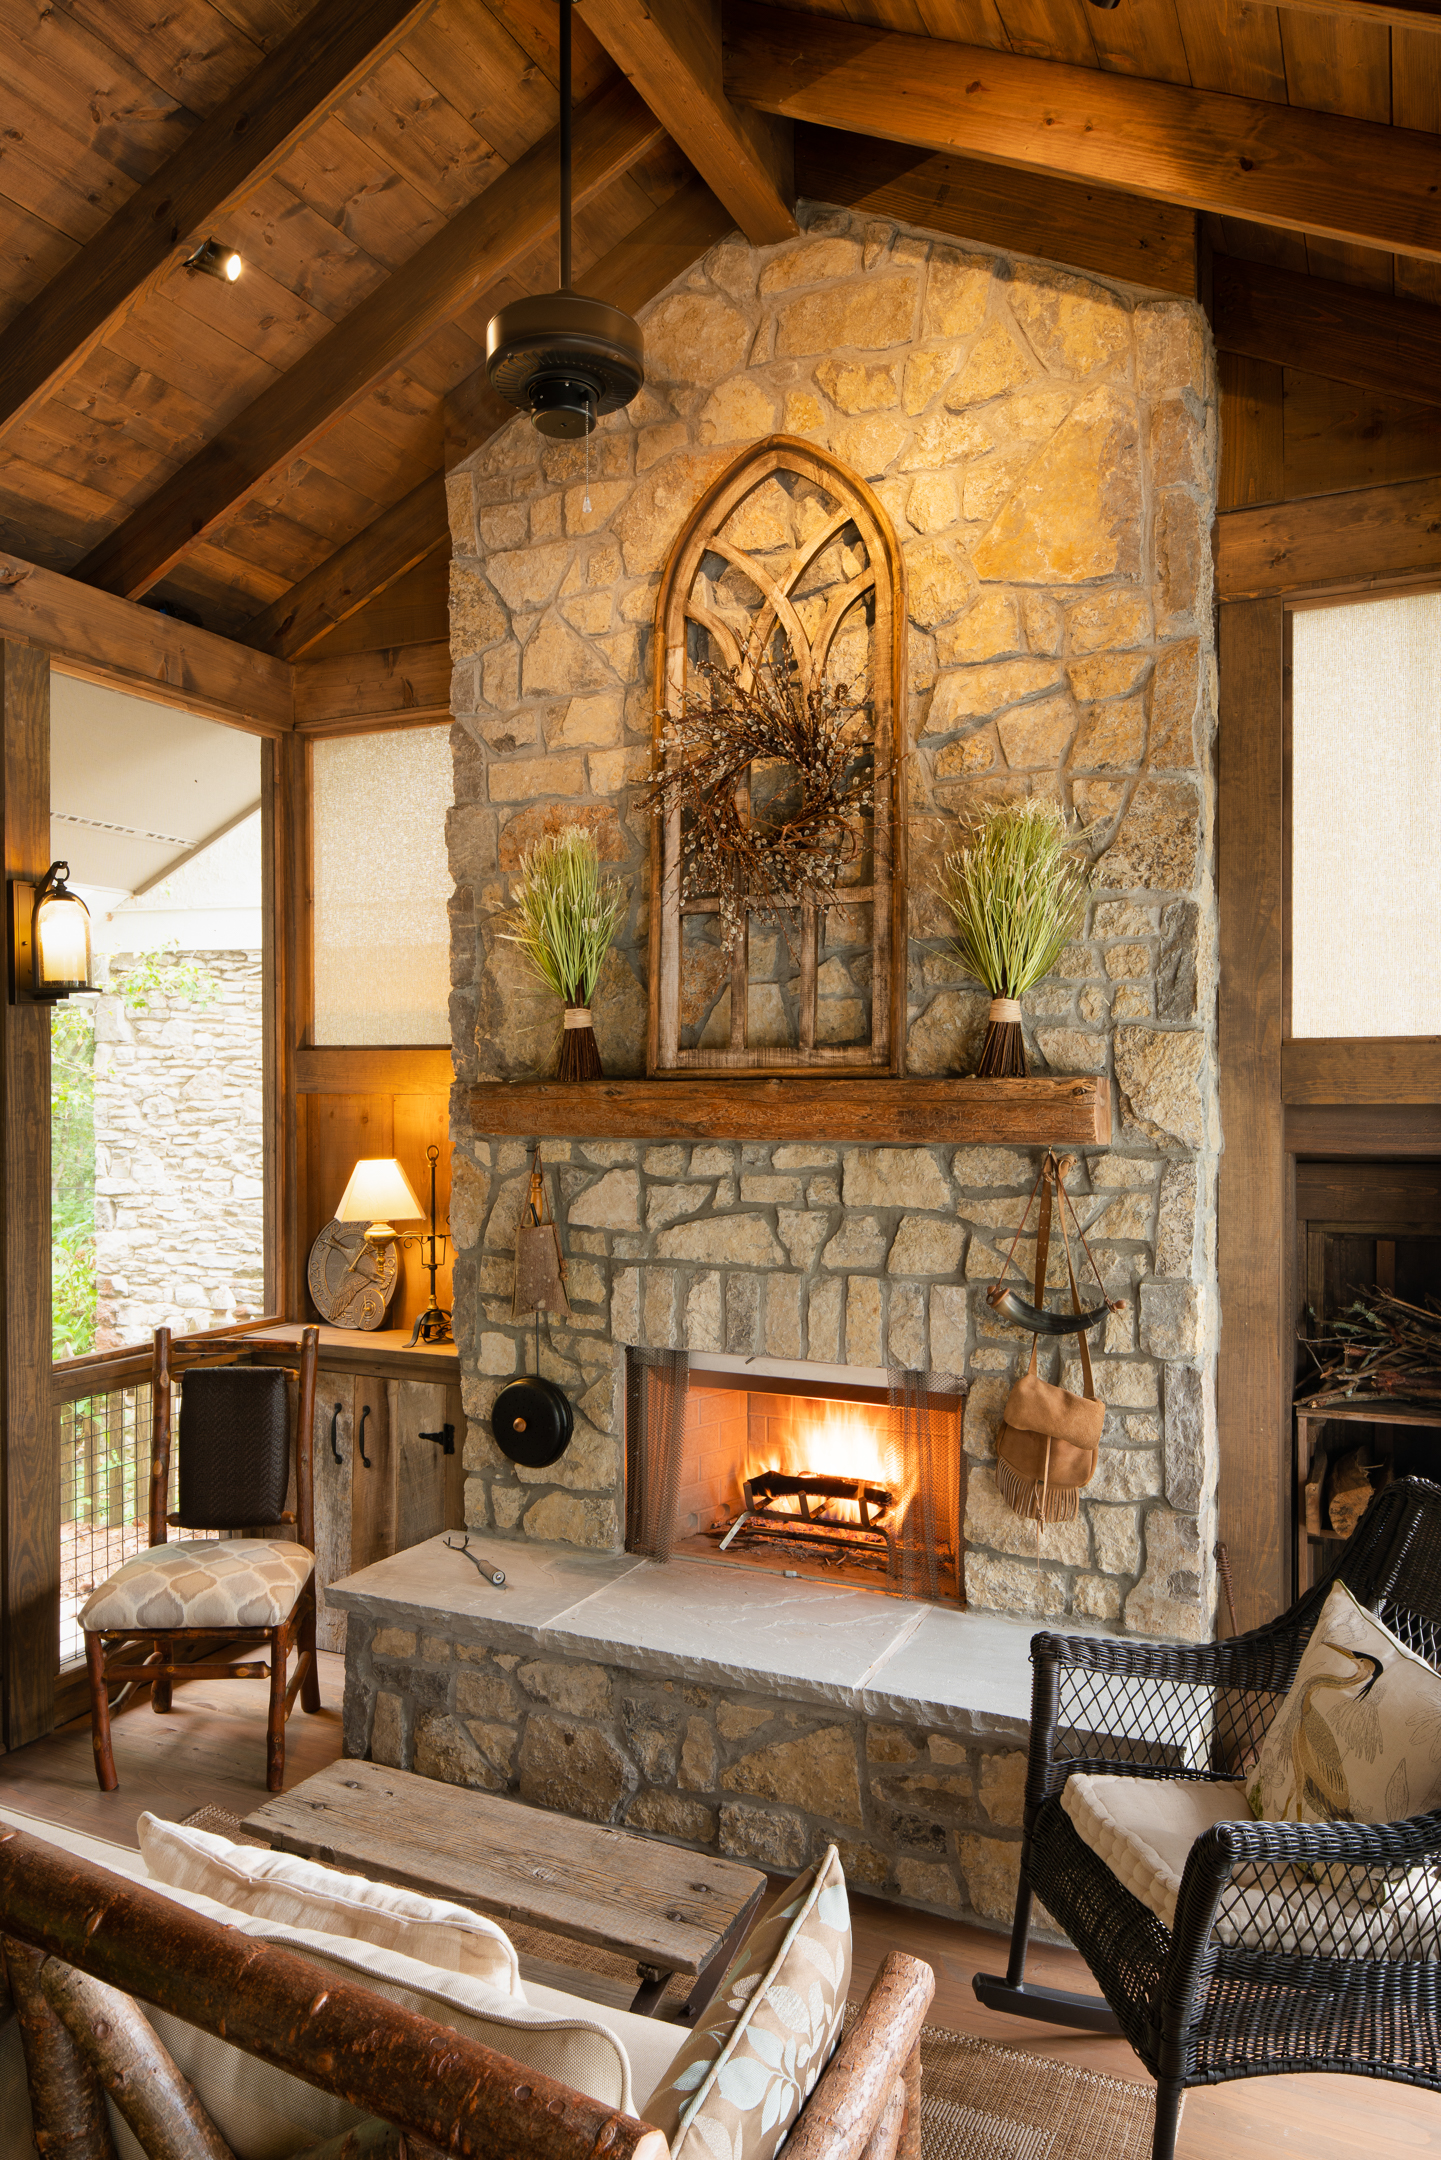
(60,936)
(377,1190)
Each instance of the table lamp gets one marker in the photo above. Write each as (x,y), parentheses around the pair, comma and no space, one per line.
(378,1188)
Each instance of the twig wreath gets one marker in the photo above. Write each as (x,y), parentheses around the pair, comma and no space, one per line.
(759,864)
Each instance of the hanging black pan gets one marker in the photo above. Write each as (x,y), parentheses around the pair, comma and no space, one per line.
(532,1422)
(1023,1314)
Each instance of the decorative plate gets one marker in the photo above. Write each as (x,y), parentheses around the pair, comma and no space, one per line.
(352,1282)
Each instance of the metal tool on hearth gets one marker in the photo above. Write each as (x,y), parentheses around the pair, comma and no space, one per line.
(487,1573)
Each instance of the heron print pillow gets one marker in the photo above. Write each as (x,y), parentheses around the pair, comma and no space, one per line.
(1358,1738)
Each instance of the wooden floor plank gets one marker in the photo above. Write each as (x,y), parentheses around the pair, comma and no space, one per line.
(211,1751)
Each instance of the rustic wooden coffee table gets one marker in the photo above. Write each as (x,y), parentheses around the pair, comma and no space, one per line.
(672,1911)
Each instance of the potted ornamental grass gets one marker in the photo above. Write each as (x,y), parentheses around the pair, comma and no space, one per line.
(1017,891)
(564,918)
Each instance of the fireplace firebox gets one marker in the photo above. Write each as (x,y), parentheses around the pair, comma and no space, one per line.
(807,1470)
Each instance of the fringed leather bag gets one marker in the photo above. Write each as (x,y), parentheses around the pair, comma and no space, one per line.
(1050,1439)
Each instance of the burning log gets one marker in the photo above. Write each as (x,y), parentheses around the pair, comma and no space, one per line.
(804,1524)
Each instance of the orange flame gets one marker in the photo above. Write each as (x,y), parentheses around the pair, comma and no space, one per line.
(833,1439)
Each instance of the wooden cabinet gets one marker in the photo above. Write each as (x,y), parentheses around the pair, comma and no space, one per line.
(382,1480)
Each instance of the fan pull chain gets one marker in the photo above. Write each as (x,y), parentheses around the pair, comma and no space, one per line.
(585,499)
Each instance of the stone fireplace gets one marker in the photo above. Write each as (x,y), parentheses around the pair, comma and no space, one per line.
(1045,445)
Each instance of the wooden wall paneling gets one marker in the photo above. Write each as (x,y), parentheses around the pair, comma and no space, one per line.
(420,1466)
(414,610)
(1377,1069)
(1338,437)
(1404,1195)
(455,1464)
(293,1004)
(1253,1373)
(1296,547)
(419,1122)
(1252,438)
(341,1130)
(405,686)
(1324,327)
(334,1392)
(374,1069)
(372,1473)
(31,1459)
(1363,1129)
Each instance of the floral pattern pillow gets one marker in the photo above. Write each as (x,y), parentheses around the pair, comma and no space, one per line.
(738,2084)
(1358,1738)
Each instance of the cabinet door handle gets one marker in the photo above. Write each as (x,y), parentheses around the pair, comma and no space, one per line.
(334,1422)
(360,1438)
(444,1439)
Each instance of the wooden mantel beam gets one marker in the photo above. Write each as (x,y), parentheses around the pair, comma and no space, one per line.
(671,50)
(1279,165)
(126,647)
(223,162)
(1378,341)
(515,215)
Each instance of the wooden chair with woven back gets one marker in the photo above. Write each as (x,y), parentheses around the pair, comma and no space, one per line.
(186,1610)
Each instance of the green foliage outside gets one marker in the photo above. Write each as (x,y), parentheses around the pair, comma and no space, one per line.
(160,974)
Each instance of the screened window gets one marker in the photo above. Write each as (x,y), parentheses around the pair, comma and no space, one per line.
(382,884)
(1366,818)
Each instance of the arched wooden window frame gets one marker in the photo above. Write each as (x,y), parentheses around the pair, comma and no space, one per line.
(858,505)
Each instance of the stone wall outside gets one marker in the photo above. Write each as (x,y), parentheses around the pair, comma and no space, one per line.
(929,1817)
(179,1175)
(1045,444)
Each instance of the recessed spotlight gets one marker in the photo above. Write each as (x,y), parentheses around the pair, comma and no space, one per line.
(215,261)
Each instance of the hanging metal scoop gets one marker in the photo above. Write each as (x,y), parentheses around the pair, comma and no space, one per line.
(1023,1314)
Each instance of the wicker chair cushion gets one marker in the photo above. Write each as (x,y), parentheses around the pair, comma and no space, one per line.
(1144,1828)
(201,1583)
(1358,1738)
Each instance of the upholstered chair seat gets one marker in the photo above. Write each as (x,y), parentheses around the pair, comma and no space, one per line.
(201,1583)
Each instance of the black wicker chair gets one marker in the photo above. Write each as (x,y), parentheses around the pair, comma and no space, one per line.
(1197,2007)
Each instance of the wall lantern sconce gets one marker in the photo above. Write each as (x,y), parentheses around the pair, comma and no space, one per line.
(379,1188)
(49,940)
(215,261)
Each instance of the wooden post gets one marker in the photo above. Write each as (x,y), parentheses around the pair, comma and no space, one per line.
(31,1495)
(66,2103)
(132,2063)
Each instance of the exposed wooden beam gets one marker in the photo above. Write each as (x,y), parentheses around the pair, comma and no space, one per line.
(126,647)
(1369,538)
(406,687)
(671,50)
(499,228)
(339,587)
(1148,243)
(1385,14)
(661,248)
(1371,339)
(1241,157)
(214,170)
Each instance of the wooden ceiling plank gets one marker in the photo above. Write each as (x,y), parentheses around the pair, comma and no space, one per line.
(1338,437)
(1147,243)
(1424,17)
(1373,340)
(1313,172)
(60,65)
(1337,66)
(1143,37)
(1416,79)
(435,285)
(671,50)
(1234,47)
(491,79)
(302,250)
(1049,30)
(114,641)
(416,129)
(187,47)
(405,687)
(965,22)
(356,192)
(1368,269)
(31,253)
(535,27)
(231,152)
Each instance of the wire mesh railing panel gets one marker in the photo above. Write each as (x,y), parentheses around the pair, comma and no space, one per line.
(104,1442)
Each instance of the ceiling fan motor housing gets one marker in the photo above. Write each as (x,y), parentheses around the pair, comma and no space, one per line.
(565,359)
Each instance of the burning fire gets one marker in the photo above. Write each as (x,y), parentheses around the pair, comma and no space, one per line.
(832,1439)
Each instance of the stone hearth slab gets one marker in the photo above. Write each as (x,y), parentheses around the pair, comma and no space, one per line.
(725,1625)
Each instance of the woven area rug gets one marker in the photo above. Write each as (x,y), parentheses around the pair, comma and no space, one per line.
(981,2101)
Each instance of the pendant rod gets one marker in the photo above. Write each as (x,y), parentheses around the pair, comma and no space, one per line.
(565,163)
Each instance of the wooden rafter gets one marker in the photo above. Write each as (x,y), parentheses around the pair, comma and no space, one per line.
(106,639)
(671,50)
(1279,165)
(222,163)
(499,228)
(1375,340)
(1385,14)
(339,587)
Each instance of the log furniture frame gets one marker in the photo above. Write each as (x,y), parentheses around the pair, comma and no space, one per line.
(61,1918)
(678,612)
(158,1657)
